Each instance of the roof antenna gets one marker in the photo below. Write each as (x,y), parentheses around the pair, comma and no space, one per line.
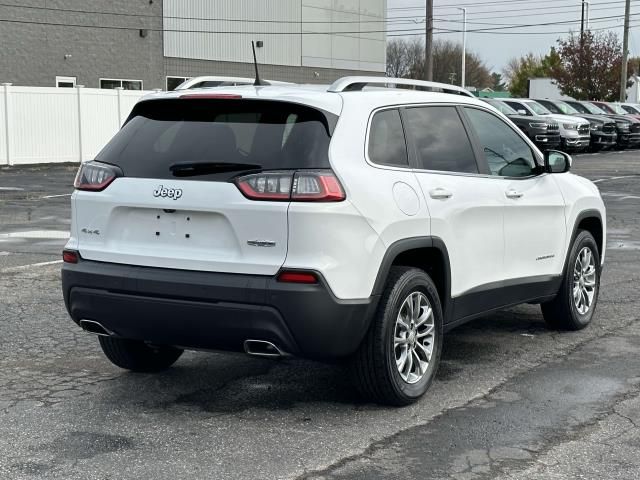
(257,82)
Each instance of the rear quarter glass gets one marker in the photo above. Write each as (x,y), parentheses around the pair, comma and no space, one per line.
(269,135)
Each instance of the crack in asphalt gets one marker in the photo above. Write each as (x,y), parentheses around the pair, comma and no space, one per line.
(558,357)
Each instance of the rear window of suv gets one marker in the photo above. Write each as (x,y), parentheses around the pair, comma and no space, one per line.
(263,135)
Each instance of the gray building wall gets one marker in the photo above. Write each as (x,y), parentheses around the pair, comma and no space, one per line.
(34,50)
(34,54)
(183,67)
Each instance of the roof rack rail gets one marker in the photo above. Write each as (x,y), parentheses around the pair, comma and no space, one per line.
(352,84)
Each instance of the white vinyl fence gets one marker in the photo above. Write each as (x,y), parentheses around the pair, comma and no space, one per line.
(46,125)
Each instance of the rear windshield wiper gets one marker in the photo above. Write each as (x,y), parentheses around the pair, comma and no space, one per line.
(192,169)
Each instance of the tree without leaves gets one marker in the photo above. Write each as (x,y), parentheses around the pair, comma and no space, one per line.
(589,69)
(397,59)
(447,58)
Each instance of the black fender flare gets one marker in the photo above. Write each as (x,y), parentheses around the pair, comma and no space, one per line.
(415,243)
(590,213)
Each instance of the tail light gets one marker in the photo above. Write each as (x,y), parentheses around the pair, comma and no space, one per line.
(301,186)
(96,176)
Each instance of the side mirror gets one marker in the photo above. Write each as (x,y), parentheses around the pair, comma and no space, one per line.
(557,162)
(522,112)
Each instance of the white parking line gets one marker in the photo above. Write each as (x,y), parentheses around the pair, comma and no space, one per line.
(614,178)
(12,189)
(46,234)
(27,267)
(57,196)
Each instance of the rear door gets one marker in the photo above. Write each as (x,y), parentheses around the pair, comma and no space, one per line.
(177,206)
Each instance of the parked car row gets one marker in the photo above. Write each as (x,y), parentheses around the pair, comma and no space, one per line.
(572,125)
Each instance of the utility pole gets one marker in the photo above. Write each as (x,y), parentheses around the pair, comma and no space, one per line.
(582,24)
(625,53)
(463,81)
(428,45)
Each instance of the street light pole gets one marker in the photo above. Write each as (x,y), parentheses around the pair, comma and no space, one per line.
(625,53)
(464,47)
(588,5)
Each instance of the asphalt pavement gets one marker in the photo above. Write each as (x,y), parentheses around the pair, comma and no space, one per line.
(512,399)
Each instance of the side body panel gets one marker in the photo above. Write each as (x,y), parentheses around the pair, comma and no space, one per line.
(535,227)
(582,200)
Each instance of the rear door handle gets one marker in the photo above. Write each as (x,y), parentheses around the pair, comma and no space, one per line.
(514,194)
(440,194)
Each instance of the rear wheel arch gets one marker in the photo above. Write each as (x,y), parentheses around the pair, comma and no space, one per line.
(426,253)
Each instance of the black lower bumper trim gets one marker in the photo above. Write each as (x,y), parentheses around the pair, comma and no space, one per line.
(217,311)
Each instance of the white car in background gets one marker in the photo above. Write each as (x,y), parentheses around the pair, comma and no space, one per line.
(574,131)
(218,81)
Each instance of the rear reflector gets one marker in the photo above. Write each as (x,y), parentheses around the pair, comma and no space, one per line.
(297,277)
(70,256)
(96,176)
(301,186)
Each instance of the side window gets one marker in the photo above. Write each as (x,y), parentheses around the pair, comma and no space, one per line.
(441,140)
(518,107)
(506,152)
(387,145)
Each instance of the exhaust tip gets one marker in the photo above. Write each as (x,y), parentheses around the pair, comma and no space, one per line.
(262,348)
(94,327)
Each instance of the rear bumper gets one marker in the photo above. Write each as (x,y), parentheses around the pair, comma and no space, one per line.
(217,311)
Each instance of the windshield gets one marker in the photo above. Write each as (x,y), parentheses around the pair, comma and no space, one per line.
(538,109)
(213,138)
(566,108)
(594,109)
(502,107)
(552,107)
(618,109)
(579,107)
(631,109)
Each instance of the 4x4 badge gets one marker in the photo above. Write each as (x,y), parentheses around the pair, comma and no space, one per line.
(162,191)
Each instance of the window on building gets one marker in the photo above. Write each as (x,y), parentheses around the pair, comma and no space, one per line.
(175,82)
(66,82)
(111,83)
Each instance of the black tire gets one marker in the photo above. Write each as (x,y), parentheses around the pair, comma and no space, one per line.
(561,313)
(137,356)
(374,365)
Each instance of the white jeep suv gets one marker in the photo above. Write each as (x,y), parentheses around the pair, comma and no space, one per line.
(355,222)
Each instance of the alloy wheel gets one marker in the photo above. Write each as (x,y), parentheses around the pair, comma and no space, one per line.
(414,337)
(584,281)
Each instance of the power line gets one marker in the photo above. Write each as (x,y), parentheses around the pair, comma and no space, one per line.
(543,13)
(493,3)
(399,19)
(441,31)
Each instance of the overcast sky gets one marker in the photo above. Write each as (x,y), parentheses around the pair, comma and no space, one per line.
(496,49)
